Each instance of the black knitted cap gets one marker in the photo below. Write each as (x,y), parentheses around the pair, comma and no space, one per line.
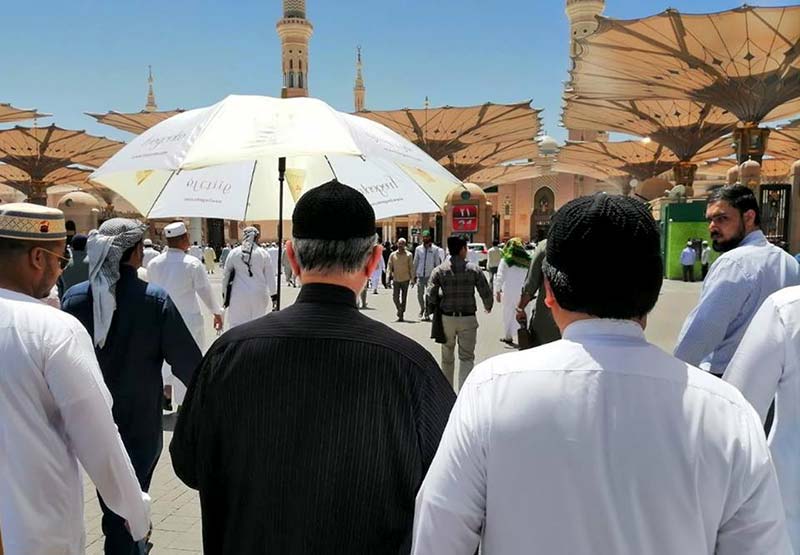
(334,212)
(604,255)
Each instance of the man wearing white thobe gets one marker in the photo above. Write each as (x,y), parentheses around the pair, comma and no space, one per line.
(508,284)
(196,251)
(766,366)
(55,410)
(184,278)
(600,442)
(254,280)
(149,253)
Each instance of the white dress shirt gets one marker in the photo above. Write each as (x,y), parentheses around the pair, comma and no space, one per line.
(185,279)
(600,443)
(765,367)
(55,410)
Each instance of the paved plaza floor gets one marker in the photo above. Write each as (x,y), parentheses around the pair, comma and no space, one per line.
(176,508)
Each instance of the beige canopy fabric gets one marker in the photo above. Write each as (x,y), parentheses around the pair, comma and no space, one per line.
(136,123)
(745,60)
(467,140)
(9,113)
(39,152)
(635,158)
(785,143)
(684,126)
(511,173)
(772,169)
(20,180)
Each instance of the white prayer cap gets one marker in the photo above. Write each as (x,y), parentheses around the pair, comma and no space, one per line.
(705,242)
(31,222)
(688,243)
(148,243)
(175,229)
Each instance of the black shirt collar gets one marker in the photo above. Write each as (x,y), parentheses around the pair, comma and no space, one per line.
(327,294)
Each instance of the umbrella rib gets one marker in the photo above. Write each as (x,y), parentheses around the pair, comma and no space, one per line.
(249,190)
(161,192)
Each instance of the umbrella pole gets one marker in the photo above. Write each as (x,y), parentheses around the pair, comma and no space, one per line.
(281,176)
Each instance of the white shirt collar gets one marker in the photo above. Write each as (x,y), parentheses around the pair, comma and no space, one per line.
(597,327)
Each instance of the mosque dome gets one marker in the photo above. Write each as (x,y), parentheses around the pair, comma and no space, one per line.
(469,191)
(10,194)
(732,176)
(548,145)
(77,200)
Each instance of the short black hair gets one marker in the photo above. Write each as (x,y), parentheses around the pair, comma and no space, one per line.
(126,256)
(740,197)
(495,243)
(455,243)
(583,237)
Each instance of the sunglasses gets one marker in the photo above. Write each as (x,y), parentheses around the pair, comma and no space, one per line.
(63,260)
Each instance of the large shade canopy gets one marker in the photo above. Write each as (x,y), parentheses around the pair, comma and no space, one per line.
(21,181)
(772,169)
(9,113)
(467,140)
(512,173)
(785,142)
(136,122)
(684,126)
(635,158)
(745,60)
(40,151)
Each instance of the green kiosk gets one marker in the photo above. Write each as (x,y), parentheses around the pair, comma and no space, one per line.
(682,222)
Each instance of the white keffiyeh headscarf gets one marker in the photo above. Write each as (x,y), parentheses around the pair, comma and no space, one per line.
(104,249)
(248,245)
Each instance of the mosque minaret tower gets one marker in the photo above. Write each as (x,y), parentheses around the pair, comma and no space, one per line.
(295,33)
(582,16)
(359,91)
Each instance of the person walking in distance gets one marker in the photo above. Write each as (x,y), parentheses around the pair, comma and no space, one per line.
(426,258)
(688,258)
(401,271)
(452,287)
(185,280)
(493,258)
(705,259)
(508,286)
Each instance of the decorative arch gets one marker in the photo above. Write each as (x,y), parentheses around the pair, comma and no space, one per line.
(544,206)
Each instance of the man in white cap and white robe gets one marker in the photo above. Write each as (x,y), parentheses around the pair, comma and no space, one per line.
(149,253)
(249,282)
(55,409)
(184,278)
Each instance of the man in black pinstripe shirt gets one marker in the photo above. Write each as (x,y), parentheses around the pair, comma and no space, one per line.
(310,430)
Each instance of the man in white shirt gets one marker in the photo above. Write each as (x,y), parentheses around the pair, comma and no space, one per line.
(149,253)
(600,442)
(749,270)
(249,281)
(184,278)
(426,257)
(55,410)
(705,259)
(766,366)
(196,251)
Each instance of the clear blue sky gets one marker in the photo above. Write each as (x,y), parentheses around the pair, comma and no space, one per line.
(66,57)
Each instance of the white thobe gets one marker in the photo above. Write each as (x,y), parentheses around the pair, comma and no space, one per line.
(196,251)
(509,281)
(600,443)
(184,278)
(149,254)
(250,295)
(55,411)
(766,366)
(273,256)
(375,279)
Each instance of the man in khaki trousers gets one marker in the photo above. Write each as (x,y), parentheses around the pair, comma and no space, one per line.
(452,286)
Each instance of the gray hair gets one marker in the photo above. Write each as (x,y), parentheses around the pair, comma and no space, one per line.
(346,256)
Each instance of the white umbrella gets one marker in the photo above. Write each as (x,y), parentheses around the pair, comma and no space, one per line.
(227,161)
(222,162)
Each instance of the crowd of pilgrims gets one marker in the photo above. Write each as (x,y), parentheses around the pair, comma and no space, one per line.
(317,429)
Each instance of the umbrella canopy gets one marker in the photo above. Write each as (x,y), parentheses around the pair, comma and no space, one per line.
(22,181)
(635,158)
(40,151)
(745,60)
(785,142)
(136,122)
(772,169)
(222,162)
(9,113)
(467,140)
(684,126)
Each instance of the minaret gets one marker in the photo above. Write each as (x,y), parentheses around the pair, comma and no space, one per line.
(151,105)
(359,91)
(582,18)
(295,32)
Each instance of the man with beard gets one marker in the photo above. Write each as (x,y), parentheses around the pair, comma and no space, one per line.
(749,270)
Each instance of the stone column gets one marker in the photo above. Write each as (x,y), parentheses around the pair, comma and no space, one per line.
(195,227)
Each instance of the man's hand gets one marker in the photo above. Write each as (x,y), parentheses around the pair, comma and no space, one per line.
(218,322)
(498,297)
(522,318)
